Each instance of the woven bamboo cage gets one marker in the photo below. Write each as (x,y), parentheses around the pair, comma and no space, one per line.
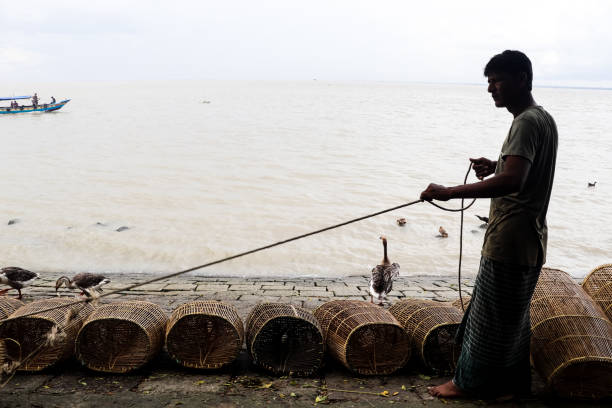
(598,284)
(365,338)
(119,337)
(38,341)
(285,339)
(431,327)
(571,342)
(7,307)
(466,302)
(204,334)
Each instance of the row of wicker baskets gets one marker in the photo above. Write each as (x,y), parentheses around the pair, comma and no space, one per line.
(281,338)
(571,334)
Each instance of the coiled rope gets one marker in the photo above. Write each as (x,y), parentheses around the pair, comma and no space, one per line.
(252,251)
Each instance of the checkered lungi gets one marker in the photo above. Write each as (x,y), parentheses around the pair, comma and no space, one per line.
(495,331)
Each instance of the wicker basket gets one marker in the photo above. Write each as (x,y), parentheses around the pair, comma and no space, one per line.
(122,336)
(285,339)
(364,337)
(8,306)
(204,334)
(431,327)
(571,342)
(598,284)
(43,339)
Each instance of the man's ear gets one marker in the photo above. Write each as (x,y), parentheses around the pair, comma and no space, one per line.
(523,79)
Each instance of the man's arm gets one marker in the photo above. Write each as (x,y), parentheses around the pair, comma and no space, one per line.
(511,180)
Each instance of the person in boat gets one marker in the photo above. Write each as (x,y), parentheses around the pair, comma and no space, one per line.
(35,100)
(495,331)
(52,100)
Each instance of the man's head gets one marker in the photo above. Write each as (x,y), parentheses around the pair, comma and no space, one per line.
(510,77)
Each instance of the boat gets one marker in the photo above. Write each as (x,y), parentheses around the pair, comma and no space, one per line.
(39,107)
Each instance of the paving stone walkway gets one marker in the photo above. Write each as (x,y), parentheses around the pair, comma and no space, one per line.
(162,383)
(244,293)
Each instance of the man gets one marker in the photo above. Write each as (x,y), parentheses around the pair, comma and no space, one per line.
(495,331)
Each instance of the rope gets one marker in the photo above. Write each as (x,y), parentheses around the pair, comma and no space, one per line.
(461,209)
(252,251)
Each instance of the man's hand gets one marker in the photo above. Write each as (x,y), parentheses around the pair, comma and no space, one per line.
(483,167)
(436,192)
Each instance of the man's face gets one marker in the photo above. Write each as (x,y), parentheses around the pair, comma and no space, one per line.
(504,88)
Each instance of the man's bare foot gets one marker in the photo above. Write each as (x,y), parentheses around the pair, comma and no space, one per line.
(446,390)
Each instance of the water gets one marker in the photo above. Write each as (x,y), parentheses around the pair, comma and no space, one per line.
(264,161)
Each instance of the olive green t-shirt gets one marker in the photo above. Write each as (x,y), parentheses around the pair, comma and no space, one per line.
(517,231)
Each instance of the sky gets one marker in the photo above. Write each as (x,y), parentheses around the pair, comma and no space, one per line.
(569,42)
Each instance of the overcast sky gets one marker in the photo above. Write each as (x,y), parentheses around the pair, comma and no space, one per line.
(569,42)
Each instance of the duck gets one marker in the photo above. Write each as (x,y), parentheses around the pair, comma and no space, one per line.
(381,282)
(592,184)
(85,281)
(401,222)
(443,233)
(16,278)
(485,220)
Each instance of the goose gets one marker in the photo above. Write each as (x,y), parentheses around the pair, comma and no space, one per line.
(592,184)
(381,282)
(16,278)
(86,282)
(401,222)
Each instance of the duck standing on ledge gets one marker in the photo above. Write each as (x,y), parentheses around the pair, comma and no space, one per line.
(85,282)
(381,282)
(16,278)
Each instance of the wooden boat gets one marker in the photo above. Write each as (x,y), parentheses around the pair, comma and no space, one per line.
(43,107)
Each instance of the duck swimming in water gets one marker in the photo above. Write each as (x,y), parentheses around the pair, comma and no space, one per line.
(16,278)
(85,282)
(443,233)
(483,219)
(381,282)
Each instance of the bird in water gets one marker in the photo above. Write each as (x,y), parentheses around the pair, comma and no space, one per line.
(401,222)
(16,278)
(443,233)
(85,282)
(381,282)
(483,219)
(592,184)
